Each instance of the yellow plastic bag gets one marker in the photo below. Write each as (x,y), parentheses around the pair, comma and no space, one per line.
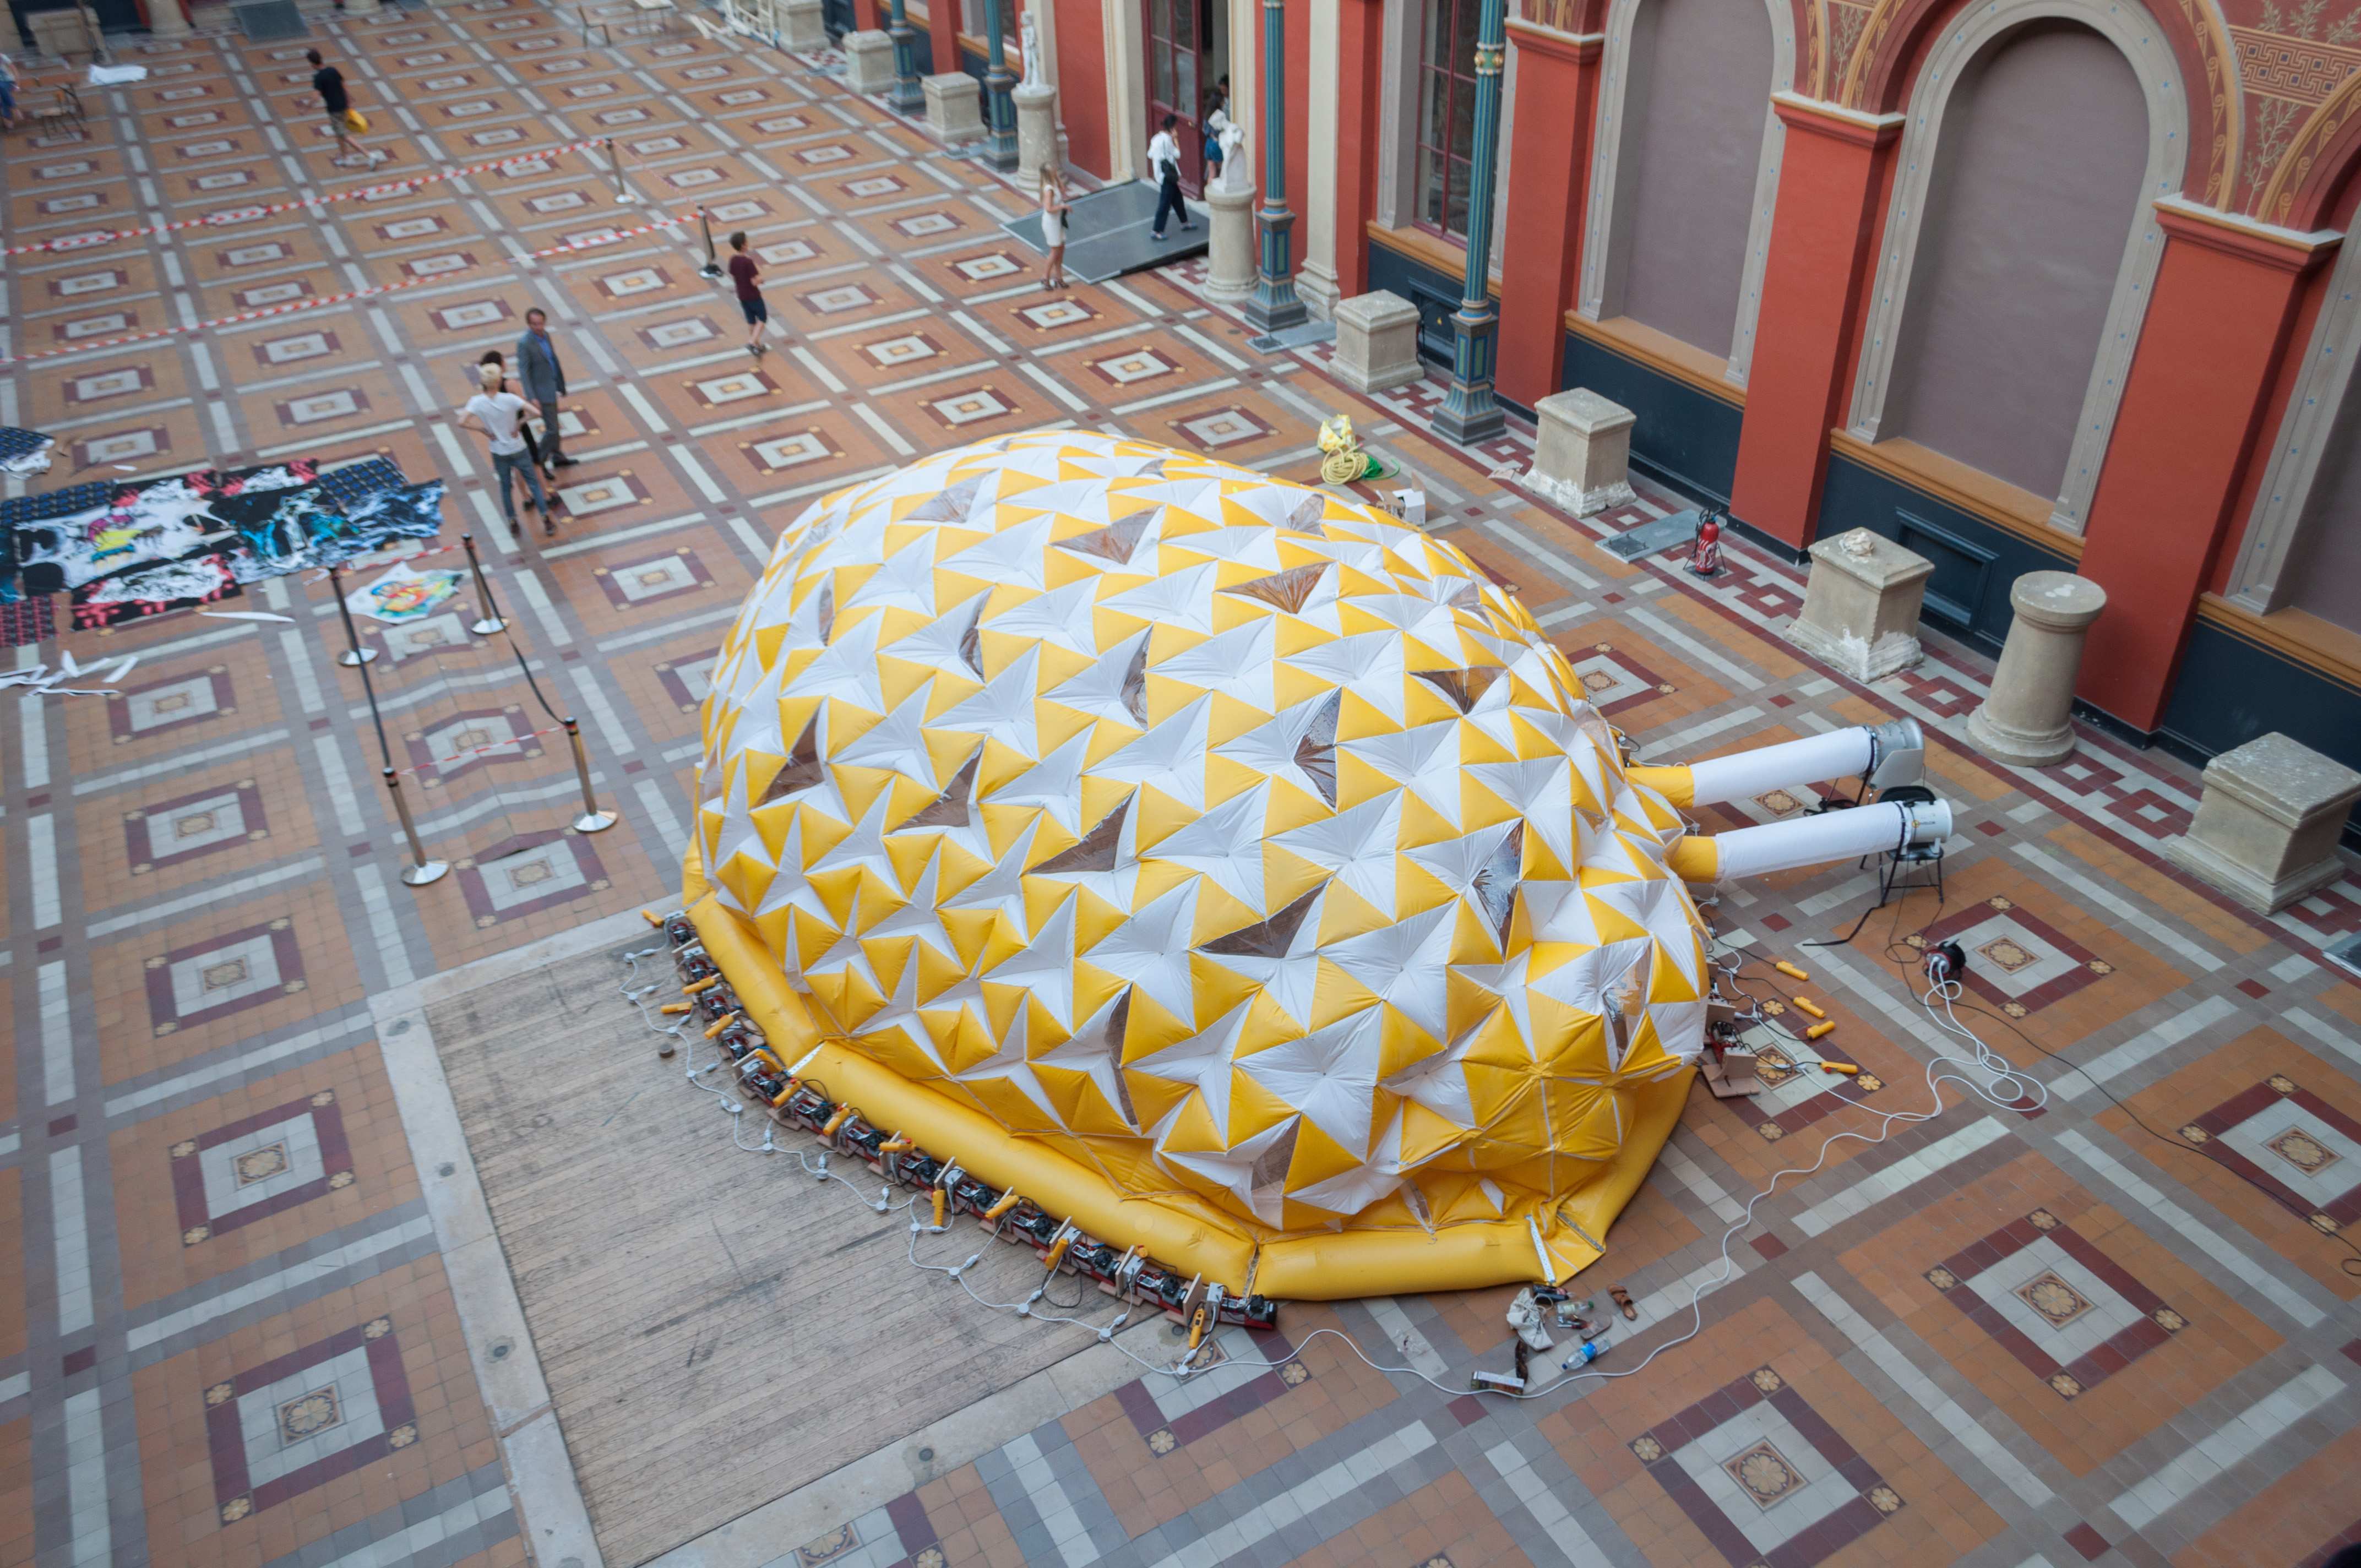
(355,121)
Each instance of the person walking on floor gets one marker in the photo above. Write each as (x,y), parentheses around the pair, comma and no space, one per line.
(7,92)
(329,84)
(1054,207)
(508,384)
(500,415)
(544,382)
(1164,162)
(746,277)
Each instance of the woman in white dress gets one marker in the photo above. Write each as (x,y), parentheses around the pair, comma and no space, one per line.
(1053,226)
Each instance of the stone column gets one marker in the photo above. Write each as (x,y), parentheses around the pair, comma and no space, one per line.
(1274,307)
(1230,247)
(907,94)
(167,20)
(869,62)
(999,115)
(951,107)
(2266,830)
(1377,342)
(1036,132)
(1860,610)
(1326,162)
(1468,415)
(2029,718)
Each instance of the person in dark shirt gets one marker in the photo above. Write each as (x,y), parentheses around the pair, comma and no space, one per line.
(744,273)
(329,84)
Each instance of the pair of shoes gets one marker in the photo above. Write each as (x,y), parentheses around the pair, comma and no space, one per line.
(1188,225)
(757,349)
(548,526)
(568,462)
(1156,236)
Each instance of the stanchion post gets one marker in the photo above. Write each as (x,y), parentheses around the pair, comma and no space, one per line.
(357,655)
(592,819)
(623,192)
(712,268)
(493,619)
(421,871)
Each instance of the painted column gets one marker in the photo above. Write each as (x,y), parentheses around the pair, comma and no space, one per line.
(942,38)
(1541,243)
(1274,306)
(1360,61)
(999,113)
(909,96)
(1468,415)
(868,17)
(1832,182)
(2218,332)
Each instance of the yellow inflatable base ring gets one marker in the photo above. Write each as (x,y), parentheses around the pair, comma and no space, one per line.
(1329,1266)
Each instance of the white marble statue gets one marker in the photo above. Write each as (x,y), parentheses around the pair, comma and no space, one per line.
(1030,36)
(1233,168)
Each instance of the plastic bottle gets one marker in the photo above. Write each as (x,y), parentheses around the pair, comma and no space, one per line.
(1584,1354)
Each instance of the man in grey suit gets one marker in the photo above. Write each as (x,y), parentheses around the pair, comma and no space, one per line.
(544,382)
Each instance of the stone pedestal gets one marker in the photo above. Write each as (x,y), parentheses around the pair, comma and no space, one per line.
(869,62)
(954,106)
(62,33)
(1230,245)
(2266,831)
(1582,452)
(1860,610)
(167,20)
(1377,342)
(1037,131)
(2029,718)
(803,26)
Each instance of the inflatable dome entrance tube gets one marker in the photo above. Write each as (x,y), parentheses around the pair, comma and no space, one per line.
(1220,863)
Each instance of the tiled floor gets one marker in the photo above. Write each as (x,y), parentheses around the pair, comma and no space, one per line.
(2119,1327)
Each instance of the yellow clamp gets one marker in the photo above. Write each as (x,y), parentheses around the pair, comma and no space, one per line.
(1816,1030)
(1810,1006)
(1790,970)
(675,1007)
(1007,1200)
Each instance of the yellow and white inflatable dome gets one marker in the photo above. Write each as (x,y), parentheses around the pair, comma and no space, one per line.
(1220,861)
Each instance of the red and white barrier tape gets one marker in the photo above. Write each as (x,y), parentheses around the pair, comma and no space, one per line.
(248,215)
(302,305)
(455,758)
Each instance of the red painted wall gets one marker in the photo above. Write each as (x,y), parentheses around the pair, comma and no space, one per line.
(2219,323)
(1832,181)
(1081,85)
(1541,243)
(1360,58)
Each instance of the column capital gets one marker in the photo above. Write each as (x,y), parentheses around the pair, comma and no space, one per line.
(1581,49)
(1834,120)
(2250,240)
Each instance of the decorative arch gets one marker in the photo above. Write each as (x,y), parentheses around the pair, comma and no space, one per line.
(2127,24)
(2319,165)
(1601,231)
(1901,37)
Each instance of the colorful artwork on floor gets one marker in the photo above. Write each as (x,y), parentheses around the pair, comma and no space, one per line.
(122,552)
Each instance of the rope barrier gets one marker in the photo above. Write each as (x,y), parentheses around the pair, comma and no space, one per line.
(248,215)
(300,306)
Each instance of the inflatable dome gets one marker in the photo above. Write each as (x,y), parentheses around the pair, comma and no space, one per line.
(1221,862)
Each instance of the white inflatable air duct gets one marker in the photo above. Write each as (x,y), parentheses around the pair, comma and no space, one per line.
(1813,841)
(1885,754)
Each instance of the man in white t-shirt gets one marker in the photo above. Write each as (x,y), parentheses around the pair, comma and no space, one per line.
(500,415)
(1164,162)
